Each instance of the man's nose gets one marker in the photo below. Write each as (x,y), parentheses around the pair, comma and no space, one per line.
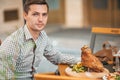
(40,18)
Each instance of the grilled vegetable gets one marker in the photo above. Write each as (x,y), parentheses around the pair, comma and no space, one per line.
(78,67)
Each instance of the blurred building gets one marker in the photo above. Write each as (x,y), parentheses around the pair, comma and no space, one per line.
(86,13)
(68,13)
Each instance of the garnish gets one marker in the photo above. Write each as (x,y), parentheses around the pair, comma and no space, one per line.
(78,67)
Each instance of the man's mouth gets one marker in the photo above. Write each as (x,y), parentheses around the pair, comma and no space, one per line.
(40,24)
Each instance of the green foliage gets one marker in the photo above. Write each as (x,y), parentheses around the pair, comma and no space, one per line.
(117,77)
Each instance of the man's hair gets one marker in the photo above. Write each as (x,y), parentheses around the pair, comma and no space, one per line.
(30,2)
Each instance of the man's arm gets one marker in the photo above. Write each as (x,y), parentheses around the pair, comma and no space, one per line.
(57,57)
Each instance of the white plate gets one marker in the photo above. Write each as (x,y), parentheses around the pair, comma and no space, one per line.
(69,72)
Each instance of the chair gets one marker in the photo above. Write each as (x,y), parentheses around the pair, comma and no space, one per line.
(103,34)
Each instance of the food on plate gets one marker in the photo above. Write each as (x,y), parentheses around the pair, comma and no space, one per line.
(91,61)
(78,70)
(105,54)
(90,66)
(112,76)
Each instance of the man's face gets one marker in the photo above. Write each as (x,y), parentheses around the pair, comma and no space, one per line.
(36,18)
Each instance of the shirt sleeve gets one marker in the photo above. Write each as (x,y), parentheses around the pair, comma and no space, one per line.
(56,57)
(8,55)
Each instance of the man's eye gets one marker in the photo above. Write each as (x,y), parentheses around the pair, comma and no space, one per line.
(35,14)
(45,14)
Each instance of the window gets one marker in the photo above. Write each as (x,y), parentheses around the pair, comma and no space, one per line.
(100,4)
(118,4)
(54,4)
(10,15)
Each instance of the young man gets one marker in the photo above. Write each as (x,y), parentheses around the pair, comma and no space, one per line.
(22,51)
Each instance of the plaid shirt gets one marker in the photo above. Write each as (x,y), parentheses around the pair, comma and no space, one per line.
(20,55)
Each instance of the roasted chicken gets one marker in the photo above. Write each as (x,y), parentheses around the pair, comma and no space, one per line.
(90,61)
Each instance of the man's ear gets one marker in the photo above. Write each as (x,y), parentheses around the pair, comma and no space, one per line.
(24,15)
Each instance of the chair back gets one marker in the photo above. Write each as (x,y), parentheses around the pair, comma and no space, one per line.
(103,34)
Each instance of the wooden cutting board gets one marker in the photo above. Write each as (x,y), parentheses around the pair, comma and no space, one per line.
(69,72)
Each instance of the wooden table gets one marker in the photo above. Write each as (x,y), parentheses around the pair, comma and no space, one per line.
(61,68)
(62,76)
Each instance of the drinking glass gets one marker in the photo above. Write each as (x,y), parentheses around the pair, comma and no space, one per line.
(117,61)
